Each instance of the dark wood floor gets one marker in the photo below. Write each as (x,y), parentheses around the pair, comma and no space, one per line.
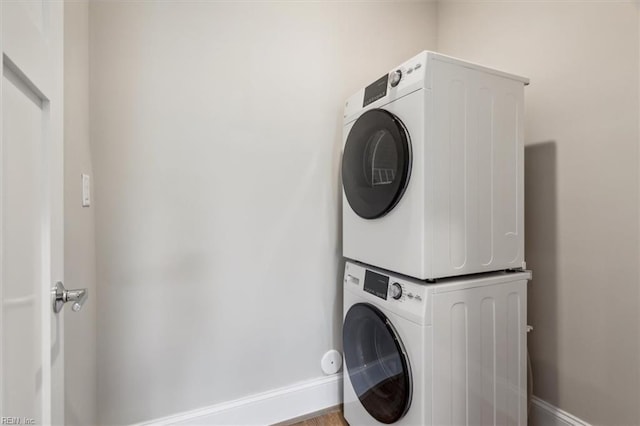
(333,418)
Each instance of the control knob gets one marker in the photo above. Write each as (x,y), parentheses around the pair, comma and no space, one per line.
(396,291)
(395,77)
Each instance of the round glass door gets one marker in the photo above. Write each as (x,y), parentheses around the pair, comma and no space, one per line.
(377,363)
(376,163)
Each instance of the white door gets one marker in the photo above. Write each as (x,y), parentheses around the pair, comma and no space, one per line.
(31,222)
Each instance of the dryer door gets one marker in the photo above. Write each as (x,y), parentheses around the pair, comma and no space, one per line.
(377,363)
(376,163)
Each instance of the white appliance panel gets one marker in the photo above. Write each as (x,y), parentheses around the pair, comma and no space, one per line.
(466,344)
(462,211)
(388,241)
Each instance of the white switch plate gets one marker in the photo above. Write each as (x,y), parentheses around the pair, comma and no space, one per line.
(86,191)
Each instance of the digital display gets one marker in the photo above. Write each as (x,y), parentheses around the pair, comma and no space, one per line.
(375,90)
(376,284)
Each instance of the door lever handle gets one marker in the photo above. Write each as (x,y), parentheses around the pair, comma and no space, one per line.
(61,295)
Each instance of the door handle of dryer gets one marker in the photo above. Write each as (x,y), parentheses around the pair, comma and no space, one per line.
(61,295)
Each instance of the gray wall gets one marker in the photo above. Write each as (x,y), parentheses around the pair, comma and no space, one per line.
(79,234)
(217,129)
(581,189)
(199,226)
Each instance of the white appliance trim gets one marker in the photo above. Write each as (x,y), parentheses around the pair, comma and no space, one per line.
(546,414)
(274,406)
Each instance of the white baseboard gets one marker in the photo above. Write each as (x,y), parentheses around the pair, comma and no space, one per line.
(545,414)
(266,408)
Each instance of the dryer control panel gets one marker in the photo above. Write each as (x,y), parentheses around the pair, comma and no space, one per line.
(375,90)
(398,82)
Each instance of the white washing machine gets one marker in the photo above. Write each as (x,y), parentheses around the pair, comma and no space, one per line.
(446,354)
(433,170)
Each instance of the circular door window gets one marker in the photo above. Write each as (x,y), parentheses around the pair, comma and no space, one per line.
(376,163)
(377,363)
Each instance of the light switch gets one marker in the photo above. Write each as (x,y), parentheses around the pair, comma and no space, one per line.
(86,191)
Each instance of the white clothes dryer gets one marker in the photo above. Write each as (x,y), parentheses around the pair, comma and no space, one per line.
(433,170)
(446,354)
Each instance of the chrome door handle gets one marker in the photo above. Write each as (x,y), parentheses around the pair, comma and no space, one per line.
(61,295)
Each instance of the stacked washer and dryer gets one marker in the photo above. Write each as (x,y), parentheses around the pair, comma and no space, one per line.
(434,329)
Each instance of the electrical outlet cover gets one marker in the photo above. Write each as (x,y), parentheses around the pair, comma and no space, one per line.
(331,362)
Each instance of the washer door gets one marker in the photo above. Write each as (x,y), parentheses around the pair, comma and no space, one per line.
(376,163)
(377,363)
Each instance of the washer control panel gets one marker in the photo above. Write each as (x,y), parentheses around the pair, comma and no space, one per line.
(403,291)
(390,289)
(376,284)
